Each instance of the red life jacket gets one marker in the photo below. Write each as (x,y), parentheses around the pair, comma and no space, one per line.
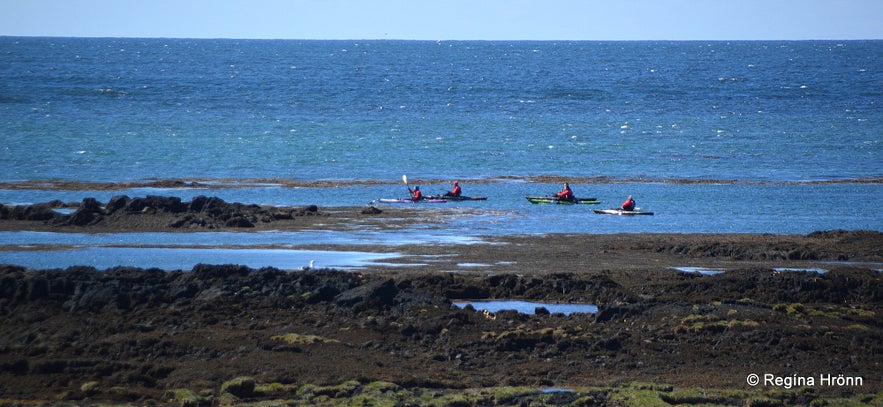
(628,205)
(565,194)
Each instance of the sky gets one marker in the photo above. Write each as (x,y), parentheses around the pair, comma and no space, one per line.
(448,20)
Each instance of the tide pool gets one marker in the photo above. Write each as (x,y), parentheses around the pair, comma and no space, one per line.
(185,258)
(527,307)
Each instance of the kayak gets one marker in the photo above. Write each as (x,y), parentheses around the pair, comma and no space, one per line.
(386,200)
(621,212)
(556,200)
(458,198)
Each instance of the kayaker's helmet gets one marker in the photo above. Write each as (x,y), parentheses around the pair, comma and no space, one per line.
(456,182)
(417,188)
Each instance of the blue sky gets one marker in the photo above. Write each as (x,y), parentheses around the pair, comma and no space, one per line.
(448,20)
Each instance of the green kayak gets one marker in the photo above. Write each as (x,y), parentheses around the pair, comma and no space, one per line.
(556,200)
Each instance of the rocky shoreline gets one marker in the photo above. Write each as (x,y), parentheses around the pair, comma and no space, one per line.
(228,334)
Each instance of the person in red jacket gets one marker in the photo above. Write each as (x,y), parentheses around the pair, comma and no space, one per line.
(629,204)
(456,191)
(566,194)
(416,195)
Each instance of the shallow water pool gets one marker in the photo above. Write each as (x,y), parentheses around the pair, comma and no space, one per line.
(186,258)
(528,307)
(706,271)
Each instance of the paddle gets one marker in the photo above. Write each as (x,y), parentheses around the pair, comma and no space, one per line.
(405,180)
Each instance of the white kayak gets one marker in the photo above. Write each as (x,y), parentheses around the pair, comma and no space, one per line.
(389,200)
(621,212)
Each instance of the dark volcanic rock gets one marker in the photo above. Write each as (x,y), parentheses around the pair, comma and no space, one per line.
(209,272)
(37,212)
(371,210)
(239,222)
(157,212)
(157,203)
(148,331)
(89,212)
(372,294)
(116,203)
(609,312)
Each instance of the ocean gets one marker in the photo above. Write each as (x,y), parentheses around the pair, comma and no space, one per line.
(735,137)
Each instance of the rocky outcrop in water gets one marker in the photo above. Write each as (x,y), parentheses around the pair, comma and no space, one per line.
(201,212)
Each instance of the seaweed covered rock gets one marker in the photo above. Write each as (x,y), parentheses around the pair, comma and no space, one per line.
(156,212)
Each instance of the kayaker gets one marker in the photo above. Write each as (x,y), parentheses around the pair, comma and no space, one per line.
(416,195)
(456,191)
(566,194)
(629,204)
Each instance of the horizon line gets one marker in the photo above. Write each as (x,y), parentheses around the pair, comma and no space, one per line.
(433,40)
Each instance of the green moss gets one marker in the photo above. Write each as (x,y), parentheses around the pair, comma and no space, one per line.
(275,389)
(743,323)
(187,398)
(242,386)
(454,400)
(299,339)
(383,393)
(307,390)
(378,394)
(697,323)
(637,397)
(659,387)
(858,312)
(227,399)
(837,402)
(343,390)
(762,401)
(698,396)
(89,388)
(700,318)
(380,387)
(507,395)
(796,308)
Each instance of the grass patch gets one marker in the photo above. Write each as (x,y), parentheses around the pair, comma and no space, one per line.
(383,393)
(242,386)
(275,389)
(790,309)
(299,339)
(187,398)
(711,323)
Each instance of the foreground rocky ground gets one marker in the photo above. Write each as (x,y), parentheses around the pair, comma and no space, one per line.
(391,336)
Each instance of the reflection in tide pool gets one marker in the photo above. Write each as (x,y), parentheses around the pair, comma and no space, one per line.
(800,270)
(528,307)
(707,271)
(313,237)
(186,258)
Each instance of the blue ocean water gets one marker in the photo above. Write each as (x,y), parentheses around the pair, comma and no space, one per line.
(779,137)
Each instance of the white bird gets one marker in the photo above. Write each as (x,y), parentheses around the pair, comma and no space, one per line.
(310,267)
